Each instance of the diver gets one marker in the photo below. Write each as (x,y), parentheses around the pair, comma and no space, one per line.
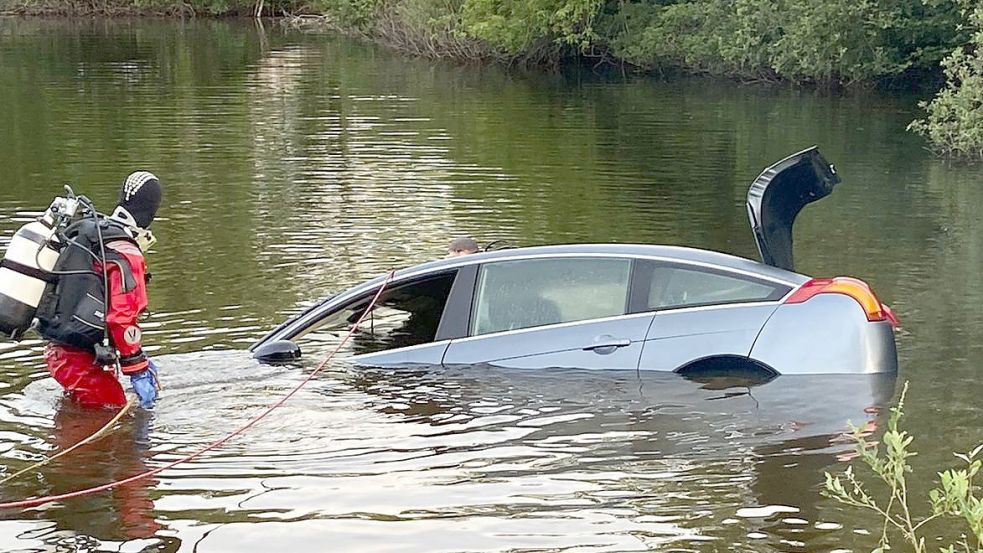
(83,369)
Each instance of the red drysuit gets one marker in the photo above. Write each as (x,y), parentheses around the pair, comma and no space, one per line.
(76,370)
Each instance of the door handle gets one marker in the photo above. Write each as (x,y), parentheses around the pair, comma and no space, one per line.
(607,344)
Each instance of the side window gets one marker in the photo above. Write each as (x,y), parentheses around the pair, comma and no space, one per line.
(405,315)
(522,294)
(679,286)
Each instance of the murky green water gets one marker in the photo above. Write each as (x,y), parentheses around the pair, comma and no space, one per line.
(298,164)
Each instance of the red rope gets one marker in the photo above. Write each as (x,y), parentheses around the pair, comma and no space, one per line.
(27,503)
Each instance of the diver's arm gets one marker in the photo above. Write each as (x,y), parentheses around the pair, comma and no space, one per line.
(127,301)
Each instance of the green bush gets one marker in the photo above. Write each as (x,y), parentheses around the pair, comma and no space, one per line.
(432,28)
(695,36)
(835,42)
(153,7)
(955,499)
(354,15)
(517,26)
(954,118)
(830,42)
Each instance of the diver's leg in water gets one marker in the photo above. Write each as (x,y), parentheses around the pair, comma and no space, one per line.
(85,382)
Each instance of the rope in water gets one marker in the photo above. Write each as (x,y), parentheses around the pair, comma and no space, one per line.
(99,434)
(37,501)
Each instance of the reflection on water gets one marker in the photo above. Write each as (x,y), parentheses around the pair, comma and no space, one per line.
(556,459)
(296,165)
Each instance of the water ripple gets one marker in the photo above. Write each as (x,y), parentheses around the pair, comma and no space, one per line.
(296,165)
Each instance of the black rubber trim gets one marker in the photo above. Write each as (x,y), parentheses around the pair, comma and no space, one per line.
(724,365)
(28,271)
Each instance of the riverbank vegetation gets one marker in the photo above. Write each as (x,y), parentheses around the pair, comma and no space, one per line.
(829,43)
(913,44)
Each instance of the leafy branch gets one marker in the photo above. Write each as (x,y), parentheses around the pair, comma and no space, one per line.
(956,498)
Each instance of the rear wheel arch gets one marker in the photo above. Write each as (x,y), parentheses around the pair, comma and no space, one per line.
(727,365)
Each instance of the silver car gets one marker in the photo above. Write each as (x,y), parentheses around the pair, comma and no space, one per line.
(616,306)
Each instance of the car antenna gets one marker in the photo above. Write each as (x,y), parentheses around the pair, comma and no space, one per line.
(497,245)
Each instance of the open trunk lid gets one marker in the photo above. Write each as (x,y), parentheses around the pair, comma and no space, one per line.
(778,195)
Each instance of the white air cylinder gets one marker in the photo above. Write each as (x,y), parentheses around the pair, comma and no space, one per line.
(26,268)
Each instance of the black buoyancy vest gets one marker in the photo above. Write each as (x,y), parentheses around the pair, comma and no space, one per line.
(73,308)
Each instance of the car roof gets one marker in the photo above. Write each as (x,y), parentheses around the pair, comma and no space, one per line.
(672,254)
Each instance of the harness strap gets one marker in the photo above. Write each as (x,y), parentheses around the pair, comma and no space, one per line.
(29,271)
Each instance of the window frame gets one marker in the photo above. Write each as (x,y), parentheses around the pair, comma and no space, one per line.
(644,271)
(459,286)
(479,268)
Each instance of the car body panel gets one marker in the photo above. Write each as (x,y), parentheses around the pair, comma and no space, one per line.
(424,354)
(612,343)
(827,334)
(680,336)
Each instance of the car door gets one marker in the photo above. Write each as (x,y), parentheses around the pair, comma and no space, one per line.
(701,312)
(553,312)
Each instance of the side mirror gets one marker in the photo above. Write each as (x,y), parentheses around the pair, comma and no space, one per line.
(278,352)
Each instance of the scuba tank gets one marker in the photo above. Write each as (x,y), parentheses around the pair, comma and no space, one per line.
(25,270)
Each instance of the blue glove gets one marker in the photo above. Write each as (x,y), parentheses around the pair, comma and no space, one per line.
(145,385)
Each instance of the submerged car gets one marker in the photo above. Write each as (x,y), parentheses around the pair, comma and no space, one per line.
(615,306)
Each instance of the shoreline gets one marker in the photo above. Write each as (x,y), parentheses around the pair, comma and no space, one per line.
(448,43)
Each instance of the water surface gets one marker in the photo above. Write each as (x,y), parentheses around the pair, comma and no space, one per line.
(297,164)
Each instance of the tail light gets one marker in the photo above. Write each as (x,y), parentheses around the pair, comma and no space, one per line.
(855,288)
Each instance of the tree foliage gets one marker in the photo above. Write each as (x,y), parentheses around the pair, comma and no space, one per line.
(953,123)
(518,25)
(828,42)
